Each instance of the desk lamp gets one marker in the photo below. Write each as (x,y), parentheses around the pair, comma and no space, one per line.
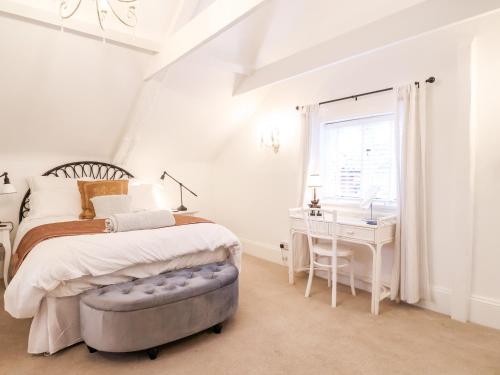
(368,203)
(314,182)
(181,186)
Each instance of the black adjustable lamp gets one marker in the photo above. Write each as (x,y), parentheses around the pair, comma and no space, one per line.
(181,186)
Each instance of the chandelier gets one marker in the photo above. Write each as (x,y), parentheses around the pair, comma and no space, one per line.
(67,8)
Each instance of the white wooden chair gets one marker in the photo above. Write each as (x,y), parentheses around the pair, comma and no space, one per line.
(315,220)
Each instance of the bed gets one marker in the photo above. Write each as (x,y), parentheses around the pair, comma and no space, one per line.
(48,284)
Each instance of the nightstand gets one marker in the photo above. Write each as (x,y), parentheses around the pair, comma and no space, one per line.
(5,241)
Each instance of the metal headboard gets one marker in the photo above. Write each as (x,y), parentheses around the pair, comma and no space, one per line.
(79,169)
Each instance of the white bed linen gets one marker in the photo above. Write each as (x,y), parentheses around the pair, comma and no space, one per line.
(54,262)
(67,266)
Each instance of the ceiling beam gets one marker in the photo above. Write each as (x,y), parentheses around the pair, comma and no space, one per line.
(220,64)
(214,20)
(184,12)
(410,23)
(51,19)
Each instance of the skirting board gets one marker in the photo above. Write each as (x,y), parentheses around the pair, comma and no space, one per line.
(272,254)
(262,251)
(440,301)
(483,310)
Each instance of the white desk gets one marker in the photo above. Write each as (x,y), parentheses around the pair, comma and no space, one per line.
(354,230)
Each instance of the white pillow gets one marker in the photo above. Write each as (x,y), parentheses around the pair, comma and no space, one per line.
(55,202)
(38,183)
(147,197)
(107,205)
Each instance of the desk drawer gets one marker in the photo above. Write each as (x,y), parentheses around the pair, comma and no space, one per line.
(317,226)
(356,233)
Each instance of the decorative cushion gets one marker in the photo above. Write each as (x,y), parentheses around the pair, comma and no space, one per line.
(90,189)
(107,205)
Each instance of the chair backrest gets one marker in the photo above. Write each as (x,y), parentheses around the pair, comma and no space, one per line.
(316,221)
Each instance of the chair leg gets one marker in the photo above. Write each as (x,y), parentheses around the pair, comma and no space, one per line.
(351,268)
(329,277)
(334,281)
(310,279)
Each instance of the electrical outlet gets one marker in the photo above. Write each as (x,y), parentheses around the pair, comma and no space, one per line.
(284,251)
(284,245)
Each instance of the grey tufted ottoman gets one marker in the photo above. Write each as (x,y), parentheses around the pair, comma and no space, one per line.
(146,313)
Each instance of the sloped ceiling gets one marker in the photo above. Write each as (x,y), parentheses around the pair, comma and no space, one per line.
(298,25)
(284,27)
(62,93)
(69,94)
(195,113)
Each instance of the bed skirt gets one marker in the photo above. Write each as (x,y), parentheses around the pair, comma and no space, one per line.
(55,326)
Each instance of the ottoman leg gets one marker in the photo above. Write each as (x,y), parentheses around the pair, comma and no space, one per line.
(217,328)
(153,353)
(91,349)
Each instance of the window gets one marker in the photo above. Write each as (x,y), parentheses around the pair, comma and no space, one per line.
(358,156)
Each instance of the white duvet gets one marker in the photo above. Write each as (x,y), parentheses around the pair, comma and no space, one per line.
(54,263)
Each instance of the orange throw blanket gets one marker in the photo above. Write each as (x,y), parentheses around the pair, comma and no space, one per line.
(73,228)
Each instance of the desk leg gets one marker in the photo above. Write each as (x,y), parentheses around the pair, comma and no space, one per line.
(290,259)
(376,287)
(395,274)
(374,272)
(334,277)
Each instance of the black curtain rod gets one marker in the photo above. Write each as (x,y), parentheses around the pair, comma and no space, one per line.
(355,97)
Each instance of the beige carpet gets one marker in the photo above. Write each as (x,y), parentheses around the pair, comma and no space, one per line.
(278,331)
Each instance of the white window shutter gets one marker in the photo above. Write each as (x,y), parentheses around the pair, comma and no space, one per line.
(357,155)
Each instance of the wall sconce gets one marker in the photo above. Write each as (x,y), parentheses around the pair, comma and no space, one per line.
(271,138)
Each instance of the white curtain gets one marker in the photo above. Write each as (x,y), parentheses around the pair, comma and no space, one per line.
(310,127)
(411,278)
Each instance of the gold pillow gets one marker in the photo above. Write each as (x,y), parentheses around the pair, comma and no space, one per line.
(91,189)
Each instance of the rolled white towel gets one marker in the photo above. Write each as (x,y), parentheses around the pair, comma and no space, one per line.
(140,220)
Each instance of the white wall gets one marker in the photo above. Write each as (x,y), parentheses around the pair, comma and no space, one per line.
(256,187)
(486,256)
(197,176)
(183,125)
